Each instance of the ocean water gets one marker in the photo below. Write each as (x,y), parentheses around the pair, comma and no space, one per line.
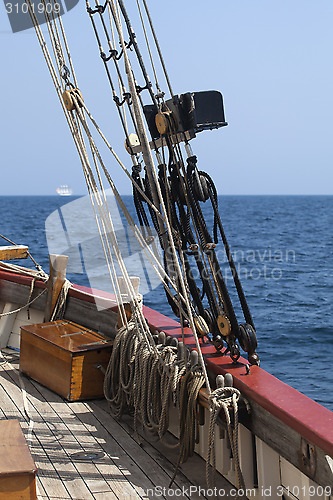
(283,249)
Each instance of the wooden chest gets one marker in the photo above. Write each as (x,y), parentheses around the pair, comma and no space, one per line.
(66,358)
(17,468)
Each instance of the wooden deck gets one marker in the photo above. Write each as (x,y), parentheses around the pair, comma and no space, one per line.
(82,453)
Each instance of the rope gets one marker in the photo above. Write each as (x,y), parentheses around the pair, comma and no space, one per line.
(153,180)
(158,48)
(139,382)
(225,398)
(191,384)
(148,46)
(25,306)
(60,306)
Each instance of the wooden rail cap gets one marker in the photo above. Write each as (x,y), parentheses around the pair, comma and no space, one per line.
(13,252)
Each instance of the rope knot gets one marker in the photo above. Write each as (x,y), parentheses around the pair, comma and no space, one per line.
(224,396)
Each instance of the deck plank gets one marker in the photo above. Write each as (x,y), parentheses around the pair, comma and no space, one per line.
(122,470)
(190,473)
(47,474)
(115,477)
(61,445)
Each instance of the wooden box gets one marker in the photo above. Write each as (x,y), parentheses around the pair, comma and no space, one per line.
(66,358)
(17,468)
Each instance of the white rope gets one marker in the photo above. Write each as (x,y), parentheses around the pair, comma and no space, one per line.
(158,48)
(106,229)
(225,398)
(154,183)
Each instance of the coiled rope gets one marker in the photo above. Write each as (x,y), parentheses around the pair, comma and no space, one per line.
(140,382)
(225,398)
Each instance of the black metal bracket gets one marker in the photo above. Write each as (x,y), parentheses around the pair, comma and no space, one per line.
(99,8)
(127,97)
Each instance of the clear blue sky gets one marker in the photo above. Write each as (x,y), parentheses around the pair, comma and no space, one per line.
(272,60)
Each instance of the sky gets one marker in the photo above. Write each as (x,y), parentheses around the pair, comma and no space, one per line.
(272,61)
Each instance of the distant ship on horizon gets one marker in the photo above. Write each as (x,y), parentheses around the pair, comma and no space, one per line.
(64,190)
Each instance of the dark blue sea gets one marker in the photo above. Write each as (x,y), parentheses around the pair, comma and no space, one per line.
(283,249)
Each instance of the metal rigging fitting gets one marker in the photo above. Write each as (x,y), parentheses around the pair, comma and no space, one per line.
(127,97)
(113,55)
(99,8)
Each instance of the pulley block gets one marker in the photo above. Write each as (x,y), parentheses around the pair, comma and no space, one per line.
(201,326)
(68,98)
(131,142)
(247,338)
(248,342)
(224,325)
(165,122)
(201,189)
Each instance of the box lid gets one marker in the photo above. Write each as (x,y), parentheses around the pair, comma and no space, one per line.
(68,336)
(15,456)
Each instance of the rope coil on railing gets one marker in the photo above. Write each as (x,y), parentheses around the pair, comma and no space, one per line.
(225,398)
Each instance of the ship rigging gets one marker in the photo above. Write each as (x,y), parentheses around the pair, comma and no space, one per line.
(168,199)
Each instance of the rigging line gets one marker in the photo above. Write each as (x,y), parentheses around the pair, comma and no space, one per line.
(180,309)
(184,183)
(108,254)
(148,47)
(67,48)
(124,316)
(44,48)
(61,51)
(141,240)
(108,220)
(93,193)
(122,119)
(142,193)
(181,255)
(51,67)
(57,49)
(122,88)
(114,45)
(204,257)
(158,48)
(121,6)
(146,152)
(152,172)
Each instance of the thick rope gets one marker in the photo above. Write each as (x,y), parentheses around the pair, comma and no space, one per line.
(225,398)
(140,382)
(60,306)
